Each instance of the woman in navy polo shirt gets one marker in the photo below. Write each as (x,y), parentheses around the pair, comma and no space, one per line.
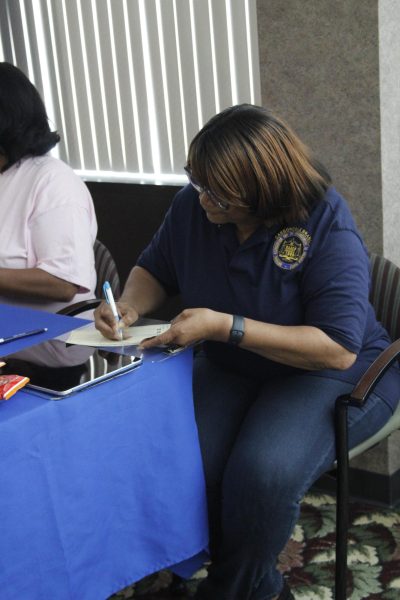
(274,277)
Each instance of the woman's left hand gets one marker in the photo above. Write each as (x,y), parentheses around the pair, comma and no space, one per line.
(191,326)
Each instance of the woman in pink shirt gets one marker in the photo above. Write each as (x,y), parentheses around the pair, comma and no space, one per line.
(48,223)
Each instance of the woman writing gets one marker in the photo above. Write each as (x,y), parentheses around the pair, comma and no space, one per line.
(274,278)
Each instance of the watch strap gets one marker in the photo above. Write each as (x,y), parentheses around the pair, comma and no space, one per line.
(237,331)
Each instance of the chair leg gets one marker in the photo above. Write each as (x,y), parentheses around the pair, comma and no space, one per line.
(342,497)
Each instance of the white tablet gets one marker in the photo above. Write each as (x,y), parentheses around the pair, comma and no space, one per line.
(73,368)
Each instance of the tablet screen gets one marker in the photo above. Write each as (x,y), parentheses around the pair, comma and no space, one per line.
(59,369)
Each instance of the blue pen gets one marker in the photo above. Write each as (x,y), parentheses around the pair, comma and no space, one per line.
(24,334)
(109,296)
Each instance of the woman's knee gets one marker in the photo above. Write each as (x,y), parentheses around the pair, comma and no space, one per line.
(270,478)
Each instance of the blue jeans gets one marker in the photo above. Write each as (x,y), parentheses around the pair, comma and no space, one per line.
(263,445)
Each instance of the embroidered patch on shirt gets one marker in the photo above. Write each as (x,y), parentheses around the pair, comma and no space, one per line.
(290,247)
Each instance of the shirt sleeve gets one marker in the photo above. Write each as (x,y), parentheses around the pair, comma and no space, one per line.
(158,256)
(62,230)
(336,289)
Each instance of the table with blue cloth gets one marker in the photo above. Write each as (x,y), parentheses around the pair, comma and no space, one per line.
(103,487)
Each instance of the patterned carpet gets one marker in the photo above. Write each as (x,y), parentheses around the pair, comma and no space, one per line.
(308,559)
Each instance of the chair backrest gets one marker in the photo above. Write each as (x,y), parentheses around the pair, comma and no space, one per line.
(385,293)
(106,270)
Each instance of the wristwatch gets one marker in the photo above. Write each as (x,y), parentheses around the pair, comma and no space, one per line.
(237,331)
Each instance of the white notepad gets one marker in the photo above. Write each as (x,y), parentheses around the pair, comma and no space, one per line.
(90,336)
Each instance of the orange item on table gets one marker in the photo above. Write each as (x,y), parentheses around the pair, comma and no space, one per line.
(9,384)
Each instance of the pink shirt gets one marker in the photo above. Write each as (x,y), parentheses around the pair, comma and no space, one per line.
(47,220)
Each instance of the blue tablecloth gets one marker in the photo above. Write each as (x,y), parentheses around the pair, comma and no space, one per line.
(15,319)
(101,488)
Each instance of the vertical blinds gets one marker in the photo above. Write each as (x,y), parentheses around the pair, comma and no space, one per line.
(128,83)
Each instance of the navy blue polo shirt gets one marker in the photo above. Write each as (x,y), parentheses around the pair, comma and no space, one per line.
(315,273)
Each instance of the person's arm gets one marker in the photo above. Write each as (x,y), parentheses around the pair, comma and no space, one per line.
(59,237)
(142,295)
(36,284)
(299,346)
(143,292)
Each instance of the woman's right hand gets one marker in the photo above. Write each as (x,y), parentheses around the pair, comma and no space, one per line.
(105,322)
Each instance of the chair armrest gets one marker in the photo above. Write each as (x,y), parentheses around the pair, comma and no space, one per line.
(78,307)
(373,374)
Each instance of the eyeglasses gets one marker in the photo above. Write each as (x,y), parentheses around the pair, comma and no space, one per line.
(202,190)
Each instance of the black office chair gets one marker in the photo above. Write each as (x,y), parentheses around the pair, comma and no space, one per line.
(385,297)
(106,270)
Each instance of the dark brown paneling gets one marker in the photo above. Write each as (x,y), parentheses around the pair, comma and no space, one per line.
(128,215)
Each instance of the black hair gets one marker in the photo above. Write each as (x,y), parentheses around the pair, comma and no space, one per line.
(24,127)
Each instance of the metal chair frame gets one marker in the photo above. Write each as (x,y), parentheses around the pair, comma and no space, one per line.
(358,397)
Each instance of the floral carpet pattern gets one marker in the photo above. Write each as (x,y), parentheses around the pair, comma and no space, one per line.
(308,560)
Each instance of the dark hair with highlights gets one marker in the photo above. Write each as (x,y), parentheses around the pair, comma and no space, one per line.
(24,127)
(251,158)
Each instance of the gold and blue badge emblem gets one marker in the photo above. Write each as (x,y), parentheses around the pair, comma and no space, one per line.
(290,247)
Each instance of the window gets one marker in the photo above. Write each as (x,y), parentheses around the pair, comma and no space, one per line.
(128,83)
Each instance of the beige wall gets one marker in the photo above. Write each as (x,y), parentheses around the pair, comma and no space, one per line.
(389,67)
(320,71)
